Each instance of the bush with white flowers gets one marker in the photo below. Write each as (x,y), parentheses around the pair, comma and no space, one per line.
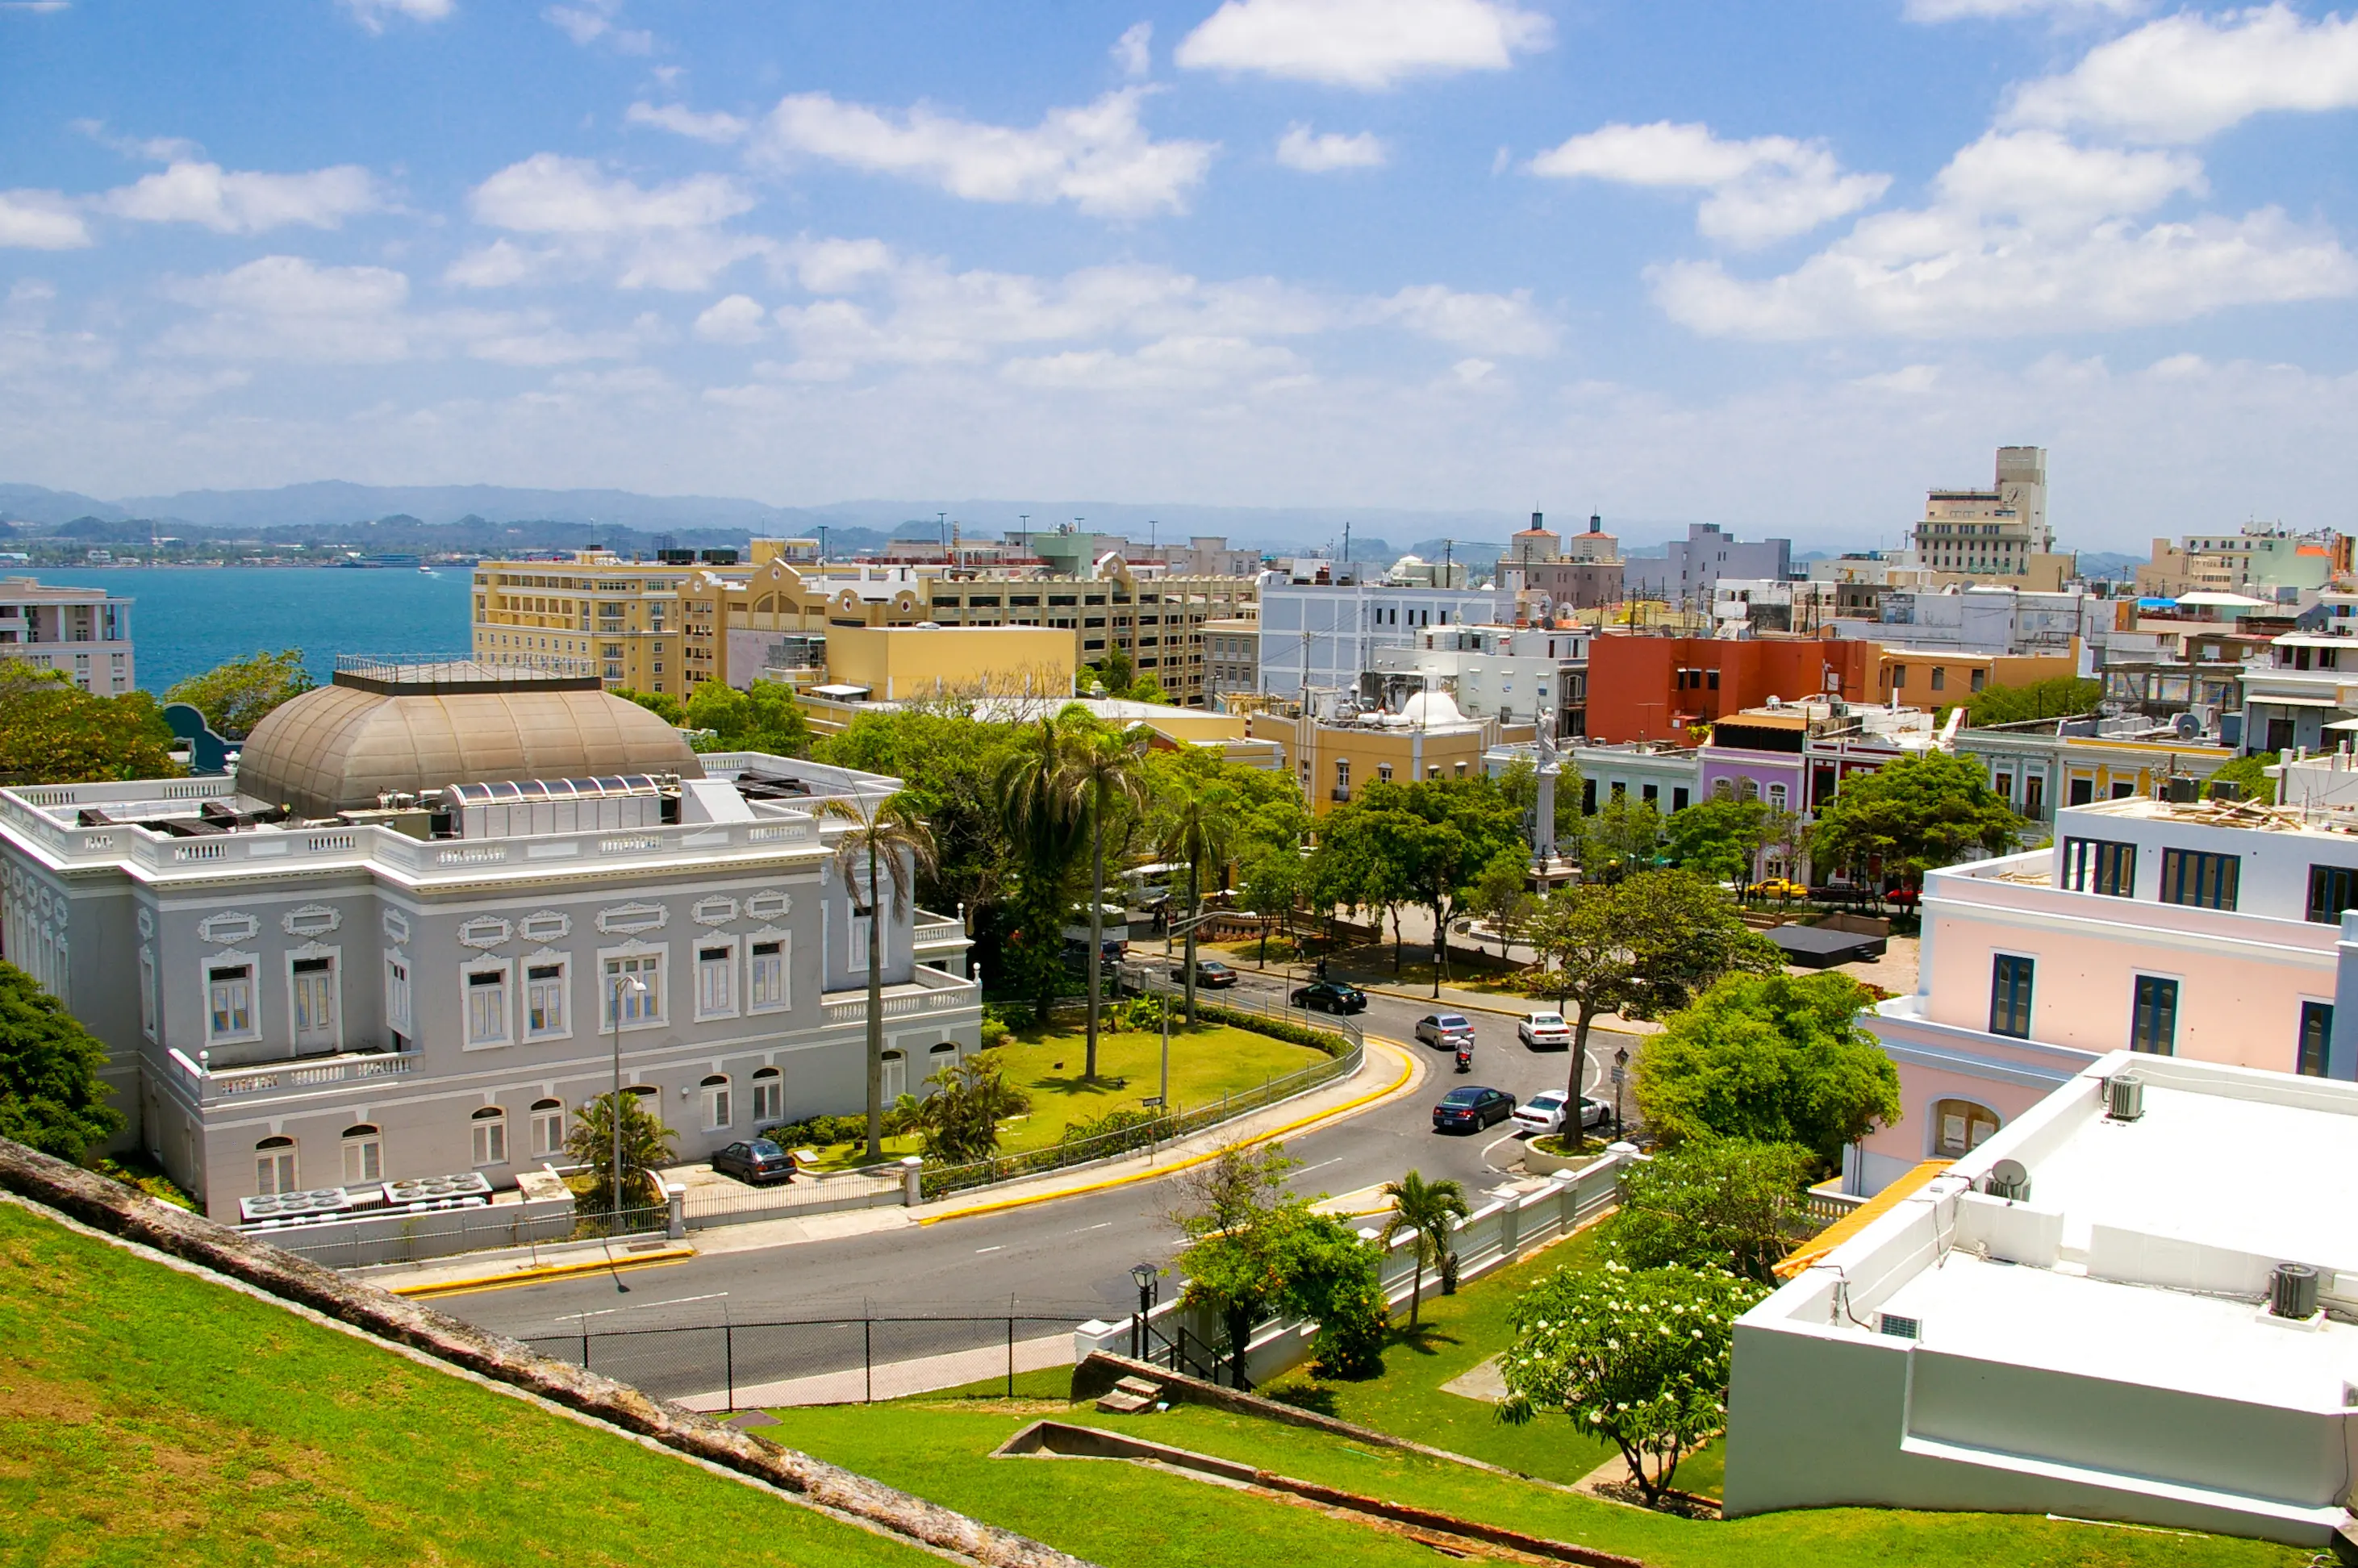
(1638,1357)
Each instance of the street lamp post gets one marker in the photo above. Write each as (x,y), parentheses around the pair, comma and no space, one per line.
(1620,1071)
(636,987)
(1144,1275)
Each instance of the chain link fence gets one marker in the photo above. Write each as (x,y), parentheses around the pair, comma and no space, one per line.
(814,1361)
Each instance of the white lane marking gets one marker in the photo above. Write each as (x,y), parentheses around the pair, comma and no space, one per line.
(980,1250)
(1087,1229)
(1493,1144)
(1320,1166)
(676,1300)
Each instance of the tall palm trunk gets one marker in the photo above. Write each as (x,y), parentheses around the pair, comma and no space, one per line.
(1191,943)
(875,1014)
(1097,929)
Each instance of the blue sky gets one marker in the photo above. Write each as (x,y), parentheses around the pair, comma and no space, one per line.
(1780,266)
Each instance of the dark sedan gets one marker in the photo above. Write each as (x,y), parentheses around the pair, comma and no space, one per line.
(1471,1110)
(757,1160)
(1331,996)
(1208,972)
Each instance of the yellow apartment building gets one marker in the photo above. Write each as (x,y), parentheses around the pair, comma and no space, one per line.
(622,617)
(1919,678)
(1429,740)
(912,663)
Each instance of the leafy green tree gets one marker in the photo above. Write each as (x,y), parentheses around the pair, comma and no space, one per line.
(886,850)
(765,717)
(1102,777)
(1718,837)
(959,1120)
(1365,860)
(239,694)
(1624,836)
(667,709)
(1638,1357)
(1194,828)
(1146,688)
(1254,1250)
(1640,948)
(1919,811)
(1502,896)
(1714,1203)
(1435,836)
(1274,880)
(52,1096)
(1428,1212)
(2248,775)
(53,732)
(646,1149)
(1772,1058)
(2062,697)
(948,765)
(1518,786)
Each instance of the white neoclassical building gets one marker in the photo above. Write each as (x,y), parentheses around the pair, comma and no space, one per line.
(409,936)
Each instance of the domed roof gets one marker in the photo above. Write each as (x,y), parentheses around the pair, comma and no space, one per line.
(337,748)
(1428,709)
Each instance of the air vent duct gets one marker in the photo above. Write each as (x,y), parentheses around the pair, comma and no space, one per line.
(2292,1292)
(1897,1326)
(2124,1097)
(2009,1180)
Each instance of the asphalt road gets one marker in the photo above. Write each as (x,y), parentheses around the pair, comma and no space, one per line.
(1064,1261)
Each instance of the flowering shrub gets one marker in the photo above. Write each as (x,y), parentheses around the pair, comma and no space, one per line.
(1637,1355)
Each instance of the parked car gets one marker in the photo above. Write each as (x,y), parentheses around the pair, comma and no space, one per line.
(755,1159)
(1544,1030)
(1447,1029)
(1331,996)
(1208,972)
(1543,1112)
(1778,887)
(1471,1109)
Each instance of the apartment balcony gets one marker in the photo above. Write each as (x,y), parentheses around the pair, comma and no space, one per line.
(932,994)
(206,1085)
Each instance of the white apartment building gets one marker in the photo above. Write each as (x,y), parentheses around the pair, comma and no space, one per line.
(1689,575)
(1322,634)
(84,633)
(1984,618)
(1517,675)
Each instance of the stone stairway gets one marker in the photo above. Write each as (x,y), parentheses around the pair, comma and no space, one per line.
(1130,1395)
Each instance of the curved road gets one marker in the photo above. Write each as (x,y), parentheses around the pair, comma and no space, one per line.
(1069,1259)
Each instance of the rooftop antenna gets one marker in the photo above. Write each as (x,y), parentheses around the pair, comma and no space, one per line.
(942,531)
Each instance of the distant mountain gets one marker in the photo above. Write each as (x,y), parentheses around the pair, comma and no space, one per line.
(2107,564)
(329,502)
(31,503)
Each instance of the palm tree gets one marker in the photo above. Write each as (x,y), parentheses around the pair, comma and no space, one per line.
(893,847)
(1429,1211)
(1102,773)
(646,1147)
(1197,831)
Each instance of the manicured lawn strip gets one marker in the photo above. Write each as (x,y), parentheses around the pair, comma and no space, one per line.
(147,1416)
(1828,1538)
(1118,1514)
(1207,1062)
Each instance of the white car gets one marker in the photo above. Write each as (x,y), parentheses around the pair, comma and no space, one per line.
(1543,1112)
(1544,1030)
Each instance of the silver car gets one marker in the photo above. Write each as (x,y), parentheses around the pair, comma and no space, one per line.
(1447,1030)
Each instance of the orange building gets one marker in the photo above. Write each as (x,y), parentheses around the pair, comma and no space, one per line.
(1651,688)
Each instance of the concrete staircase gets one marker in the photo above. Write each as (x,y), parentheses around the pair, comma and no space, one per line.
(1129,1396)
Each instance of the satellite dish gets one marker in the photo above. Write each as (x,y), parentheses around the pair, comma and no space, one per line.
(2009,1172)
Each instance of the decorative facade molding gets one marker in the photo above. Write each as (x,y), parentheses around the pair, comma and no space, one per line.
(229,927)
(484,931)
(546,926)
(397,926)
(311,920)
(626,918)
(715,910)
(769,904)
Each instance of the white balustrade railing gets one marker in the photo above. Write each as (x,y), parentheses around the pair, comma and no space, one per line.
(222,1083)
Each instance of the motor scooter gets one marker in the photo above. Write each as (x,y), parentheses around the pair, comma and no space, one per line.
(1465,1058)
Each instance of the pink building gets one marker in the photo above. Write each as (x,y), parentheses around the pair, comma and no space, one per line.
(2206,930)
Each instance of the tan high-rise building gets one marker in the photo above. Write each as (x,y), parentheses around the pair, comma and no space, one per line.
(1994,534)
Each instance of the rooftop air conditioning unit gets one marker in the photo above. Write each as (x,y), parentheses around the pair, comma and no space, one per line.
(2292,1292)
(2181,789)
(2008,1179)
(292,1205)
(2124,1097)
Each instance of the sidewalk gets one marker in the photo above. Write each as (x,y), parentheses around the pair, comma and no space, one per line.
(1390,1071)
(892,1379)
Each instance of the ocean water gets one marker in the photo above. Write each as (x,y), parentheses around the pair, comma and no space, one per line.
(189,619)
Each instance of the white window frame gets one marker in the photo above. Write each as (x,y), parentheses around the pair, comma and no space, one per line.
(267,1180)
(253,966)
(487,1135)
(784,942)
(363,1156)
(312,952)
(400,995)
(895,1074)
(655,958)
(468,989)
(563,984)
(147,1011)
(724,969)
(769,1096)
(720,1102)
(548,1119)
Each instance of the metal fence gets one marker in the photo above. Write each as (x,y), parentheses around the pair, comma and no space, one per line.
(367,1238)
(808,1193)
(813,1361)
(1348,1049)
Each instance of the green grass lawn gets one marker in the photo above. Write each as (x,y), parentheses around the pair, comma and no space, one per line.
(1206,1061)
(148,1416)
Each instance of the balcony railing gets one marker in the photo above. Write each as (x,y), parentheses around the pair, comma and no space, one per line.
(932,992)
(206,1085)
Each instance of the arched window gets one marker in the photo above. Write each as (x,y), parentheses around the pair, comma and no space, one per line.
(364,1154)
(896,1076)
(1960,1126)
(769,1096)
(945,1054)
(717,1108)
(547,1127)
(490,1128)
(274,1167)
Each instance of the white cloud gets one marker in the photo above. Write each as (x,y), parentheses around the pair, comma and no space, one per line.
(1134,50)
(1958,10)
(234,202)
(1099,156)
(836,266)
(715,127)
(2042,178)
(1761,190)
(1486,323)
(147,149)
(1367,44)
(40,220)
(373,13)
(2186,77)
(739,318)
(593,22)
(1168,365)
(1318,154)
(286,307)
(503,264)
(548,194)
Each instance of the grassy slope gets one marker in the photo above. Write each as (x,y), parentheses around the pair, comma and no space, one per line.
(147,1416)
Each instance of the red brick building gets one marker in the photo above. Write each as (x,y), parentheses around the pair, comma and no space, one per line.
(1651,688)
